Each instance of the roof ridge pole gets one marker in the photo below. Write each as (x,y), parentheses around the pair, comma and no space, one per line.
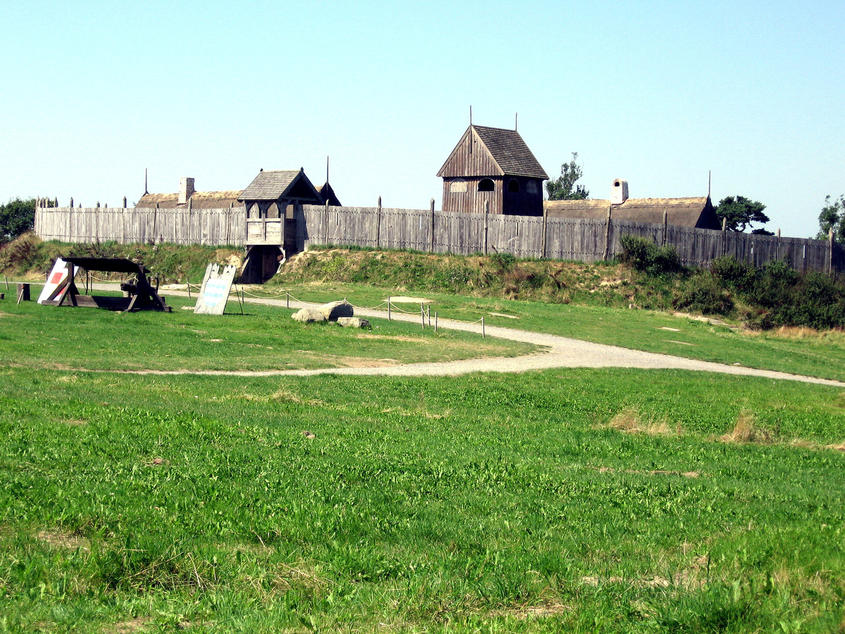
(516,122)
(470,115)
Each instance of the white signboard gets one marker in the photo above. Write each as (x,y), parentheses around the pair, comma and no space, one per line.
(215,290)
(57,283)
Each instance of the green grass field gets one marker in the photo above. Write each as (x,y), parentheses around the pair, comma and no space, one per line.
(816,354)
(264,338)
(566,500)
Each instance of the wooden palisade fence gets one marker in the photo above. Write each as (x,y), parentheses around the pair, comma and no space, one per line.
(436,232)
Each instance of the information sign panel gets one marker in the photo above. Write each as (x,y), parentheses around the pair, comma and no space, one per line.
(215,290)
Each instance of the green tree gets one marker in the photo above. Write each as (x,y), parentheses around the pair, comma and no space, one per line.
(739,212)
(16,217)
(564,187)
(832,216)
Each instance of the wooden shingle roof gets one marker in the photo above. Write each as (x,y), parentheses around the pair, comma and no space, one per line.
(502,153)
(269,185)
(684,212)
(510,152)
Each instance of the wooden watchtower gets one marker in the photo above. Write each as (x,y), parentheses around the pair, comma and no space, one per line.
(493,168)
(273,203)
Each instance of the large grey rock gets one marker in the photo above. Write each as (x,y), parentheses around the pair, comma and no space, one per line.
(353,322)
(333,310)
(308,315)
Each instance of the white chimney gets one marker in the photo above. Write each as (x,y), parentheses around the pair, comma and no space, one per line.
(186,189)
(619,191)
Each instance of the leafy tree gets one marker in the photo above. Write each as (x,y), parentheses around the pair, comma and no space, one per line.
(16,217)
(739,212)
(564,187)
(832,216)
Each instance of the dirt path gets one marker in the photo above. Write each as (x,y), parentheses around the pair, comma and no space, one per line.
(561,352)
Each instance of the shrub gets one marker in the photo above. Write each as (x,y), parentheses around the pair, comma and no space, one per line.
(644,255)
(703,294)
(732,273)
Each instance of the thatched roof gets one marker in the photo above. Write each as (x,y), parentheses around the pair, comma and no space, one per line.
(506,151)
(199,200)
(685,212)
(273,185)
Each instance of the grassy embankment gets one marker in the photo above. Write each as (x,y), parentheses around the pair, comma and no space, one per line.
(612,500)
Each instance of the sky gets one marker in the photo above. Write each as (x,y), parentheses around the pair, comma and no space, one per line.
(658,93)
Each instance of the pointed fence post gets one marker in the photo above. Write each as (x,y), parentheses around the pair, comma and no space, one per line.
(545,224)
(486,221)
(830,252)
(431,248)
(378,224)
(607,233)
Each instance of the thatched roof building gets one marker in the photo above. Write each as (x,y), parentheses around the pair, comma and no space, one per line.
(186,198)
(685,212)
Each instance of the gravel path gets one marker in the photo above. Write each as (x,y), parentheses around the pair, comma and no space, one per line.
(560,352)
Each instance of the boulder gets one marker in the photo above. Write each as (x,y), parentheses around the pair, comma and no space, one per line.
(333,310)
(308,316)
(353,322)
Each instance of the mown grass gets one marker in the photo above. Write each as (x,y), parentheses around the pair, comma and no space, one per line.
(263,338)
(803,351)
(493,502)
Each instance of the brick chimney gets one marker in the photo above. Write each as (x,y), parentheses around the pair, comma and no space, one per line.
(186,189)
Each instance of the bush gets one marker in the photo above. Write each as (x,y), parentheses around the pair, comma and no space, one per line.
(702,293)
(732,273)
(644,255)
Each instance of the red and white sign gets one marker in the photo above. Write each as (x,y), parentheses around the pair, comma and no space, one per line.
(57,283)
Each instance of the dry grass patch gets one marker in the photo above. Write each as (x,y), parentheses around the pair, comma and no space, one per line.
(63,540)
(138,624)
(746,431)
(629,422)
(685,474)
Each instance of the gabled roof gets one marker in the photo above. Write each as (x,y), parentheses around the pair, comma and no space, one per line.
(199,200)
(684,212)
(328,195)
(507,152)
(272,185)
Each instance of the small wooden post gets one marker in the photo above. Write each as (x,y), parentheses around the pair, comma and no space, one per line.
(388,309)
(665,224)
(486,218)
(287,299)
(23,293)
(431,249)
(378,224)
(422,316)
(483,334)
(435,321)
(607,233)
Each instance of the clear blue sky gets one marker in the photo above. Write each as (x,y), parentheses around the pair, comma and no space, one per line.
(655,92)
